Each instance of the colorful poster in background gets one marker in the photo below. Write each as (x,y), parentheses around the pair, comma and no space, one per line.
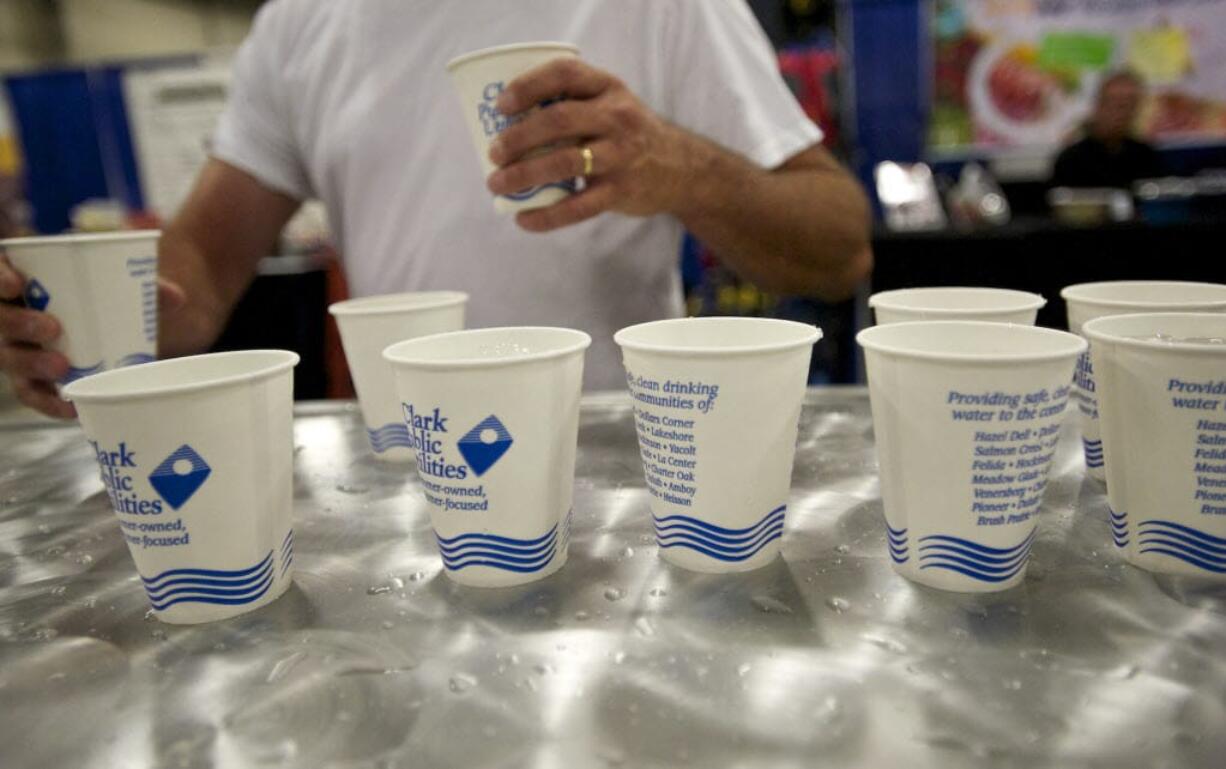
(1024,73)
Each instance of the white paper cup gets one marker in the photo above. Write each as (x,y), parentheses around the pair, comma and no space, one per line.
(479,77)
(1162,411)
(196,456)
(717,408)
(967,416)
(996,305)
(1087,301)
(493,415)
(103,290)
(370,325)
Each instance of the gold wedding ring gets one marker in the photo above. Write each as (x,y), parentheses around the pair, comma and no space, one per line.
(589,161)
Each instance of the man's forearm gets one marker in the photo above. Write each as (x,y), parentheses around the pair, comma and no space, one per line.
(801,229)
(192,327)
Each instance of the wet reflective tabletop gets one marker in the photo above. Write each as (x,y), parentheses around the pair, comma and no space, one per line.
(375,659)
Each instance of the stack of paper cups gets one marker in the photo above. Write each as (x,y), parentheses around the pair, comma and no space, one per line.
(1088,301)
(493,416)
(102,289)
(717,408)
(196,457)
(1162,411)
(998,305)
(368,326)
(967,416)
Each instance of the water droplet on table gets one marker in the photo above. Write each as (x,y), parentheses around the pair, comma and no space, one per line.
(768,605)
(283,666)
(843,549)
(657,592)
(378,589)
(461,683)
(838,605)
(581,616)
(644,627)
(743,669)
(351,488)
(614,594)
(628,552)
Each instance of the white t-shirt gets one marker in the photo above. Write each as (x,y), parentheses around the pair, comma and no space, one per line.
(349,101)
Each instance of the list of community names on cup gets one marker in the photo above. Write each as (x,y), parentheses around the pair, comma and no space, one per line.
(665,415)
(1014,437)
(1209,400)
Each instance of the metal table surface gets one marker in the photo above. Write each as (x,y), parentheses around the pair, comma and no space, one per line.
(375,659)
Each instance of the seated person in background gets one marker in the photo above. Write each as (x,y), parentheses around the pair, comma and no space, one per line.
(1108,155)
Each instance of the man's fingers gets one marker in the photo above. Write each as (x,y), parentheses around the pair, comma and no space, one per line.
(560,122)
(11,284)
(171,296)
(19,324)
(596,199)
(32,363)
(568,76)
(41,396)
(559,164)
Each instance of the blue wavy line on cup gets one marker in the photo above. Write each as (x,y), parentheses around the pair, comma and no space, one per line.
(75,373)
(897,544)
(506,553)
(511,550)
(1094,453)
(206,573)
(770,537)
(1184,540)
(502,565)
(1119,528)
(395,435)
(248,586)
(1184,543)
(494,538)
(770,532)
(975,560)
(288,542)
(135,359)
(286,564)
(1197,534)
(217,599)
(778,511)
(719,542)
(185,583)
(692,527)
(519,197)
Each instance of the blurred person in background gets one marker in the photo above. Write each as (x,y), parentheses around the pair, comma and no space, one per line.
(1108,154)
(680,101)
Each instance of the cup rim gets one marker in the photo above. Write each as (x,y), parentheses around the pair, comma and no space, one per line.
(1026,300)
(396,353)
(1094,329)
(395,304)
(495,50)
(1076,293)
(74,238)
(623,340)
(86,390)
(1076,344)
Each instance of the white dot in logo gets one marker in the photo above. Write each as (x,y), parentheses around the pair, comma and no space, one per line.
(182,466)
(489,435)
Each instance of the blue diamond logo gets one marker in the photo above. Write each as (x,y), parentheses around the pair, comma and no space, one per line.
(180,476)
(36,296)
(485,444)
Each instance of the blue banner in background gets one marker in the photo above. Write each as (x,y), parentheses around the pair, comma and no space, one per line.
(73,129)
